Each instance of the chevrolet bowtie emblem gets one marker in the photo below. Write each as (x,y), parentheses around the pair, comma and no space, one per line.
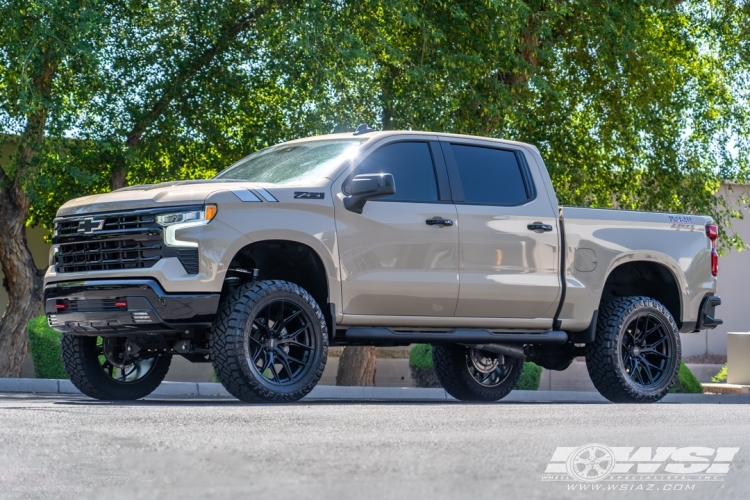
(89,225)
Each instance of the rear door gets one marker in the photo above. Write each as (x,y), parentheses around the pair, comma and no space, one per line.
(508,232)
(395,260)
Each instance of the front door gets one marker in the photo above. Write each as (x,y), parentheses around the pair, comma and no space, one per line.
(509,265)
(393,262)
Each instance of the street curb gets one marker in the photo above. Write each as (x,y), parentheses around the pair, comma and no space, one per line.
(29,385)
(334,393)
(724,388)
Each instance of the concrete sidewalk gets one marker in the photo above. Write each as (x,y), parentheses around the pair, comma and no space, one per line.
(333,393)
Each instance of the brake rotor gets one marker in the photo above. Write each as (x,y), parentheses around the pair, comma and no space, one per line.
(114,351)
(483,361)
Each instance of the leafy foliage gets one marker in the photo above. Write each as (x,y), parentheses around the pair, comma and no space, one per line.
(530,377)
(44,344)
(686,382)
(420,363)
(636,105)
(721,377)
(420,356)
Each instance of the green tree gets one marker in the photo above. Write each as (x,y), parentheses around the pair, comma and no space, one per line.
(186,90)
(102,92)
(635,105)
(47,67)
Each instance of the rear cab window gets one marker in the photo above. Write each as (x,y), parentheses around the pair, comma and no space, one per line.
(490,176)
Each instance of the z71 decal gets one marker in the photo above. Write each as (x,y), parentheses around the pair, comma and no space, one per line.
(682,219)
(309,195)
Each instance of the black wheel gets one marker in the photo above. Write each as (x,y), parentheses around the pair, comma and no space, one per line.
(470,374)
(99,368)
(269,342)
(636,355)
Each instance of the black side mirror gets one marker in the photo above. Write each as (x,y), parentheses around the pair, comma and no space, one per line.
(368,187)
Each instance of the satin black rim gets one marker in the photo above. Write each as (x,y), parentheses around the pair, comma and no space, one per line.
(113,362)
(281,343)
(485,368)
(647,351)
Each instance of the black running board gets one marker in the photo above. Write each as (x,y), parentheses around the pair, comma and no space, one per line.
(386,335)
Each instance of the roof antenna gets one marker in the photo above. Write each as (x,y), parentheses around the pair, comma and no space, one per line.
(363,129)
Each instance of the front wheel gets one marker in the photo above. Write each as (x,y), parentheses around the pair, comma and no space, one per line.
(269,342)
(470,374)
(635,357)
(100,368)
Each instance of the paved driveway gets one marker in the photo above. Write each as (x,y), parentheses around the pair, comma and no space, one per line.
(72,447)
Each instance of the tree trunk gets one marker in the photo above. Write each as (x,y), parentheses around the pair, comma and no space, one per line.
(117,179)
(23,280)
(357,366)
(387,89)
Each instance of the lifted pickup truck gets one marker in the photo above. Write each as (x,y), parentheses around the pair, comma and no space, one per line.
(374,238)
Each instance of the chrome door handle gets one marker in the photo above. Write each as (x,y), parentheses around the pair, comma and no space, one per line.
(438,221)
(538,227)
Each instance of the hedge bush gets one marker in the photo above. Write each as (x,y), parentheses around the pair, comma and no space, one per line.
(530,377)
(420,363)
(44,344)
(721,377)
(686,382)
(423,374)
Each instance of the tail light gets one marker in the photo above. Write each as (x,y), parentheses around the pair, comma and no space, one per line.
(712,232)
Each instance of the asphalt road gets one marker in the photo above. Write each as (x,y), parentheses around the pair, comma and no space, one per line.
(73,447)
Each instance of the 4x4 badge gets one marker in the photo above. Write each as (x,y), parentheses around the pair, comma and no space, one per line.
(88,225)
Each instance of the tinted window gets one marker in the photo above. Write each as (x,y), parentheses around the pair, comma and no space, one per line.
(490,176)
(411,166)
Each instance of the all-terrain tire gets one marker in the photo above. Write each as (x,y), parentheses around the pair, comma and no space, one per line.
(228,344)
(81,361)
(604,358)
(450,365)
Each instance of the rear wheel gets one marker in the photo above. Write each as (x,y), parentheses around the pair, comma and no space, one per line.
(100,368)
(269,342)
(470,374)
(636,355)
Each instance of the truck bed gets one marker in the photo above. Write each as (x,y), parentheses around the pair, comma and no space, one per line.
(598,240)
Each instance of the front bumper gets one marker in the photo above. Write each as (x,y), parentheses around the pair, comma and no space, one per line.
(707,319)
(125,307)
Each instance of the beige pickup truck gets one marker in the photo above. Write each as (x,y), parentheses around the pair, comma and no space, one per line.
(374,238)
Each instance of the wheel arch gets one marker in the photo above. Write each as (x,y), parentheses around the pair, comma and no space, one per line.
(290,260)
(646,277)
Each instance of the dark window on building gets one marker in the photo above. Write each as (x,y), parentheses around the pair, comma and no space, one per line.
(412,169)
(490,176)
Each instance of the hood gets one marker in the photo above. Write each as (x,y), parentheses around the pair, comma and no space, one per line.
(149,196)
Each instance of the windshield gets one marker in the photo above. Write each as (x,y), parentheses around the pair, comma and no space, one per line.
(292,163)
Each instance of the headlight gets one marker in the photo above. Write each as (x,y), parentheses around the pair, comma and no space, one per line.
(183,220)
(52,251)
(204,215)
